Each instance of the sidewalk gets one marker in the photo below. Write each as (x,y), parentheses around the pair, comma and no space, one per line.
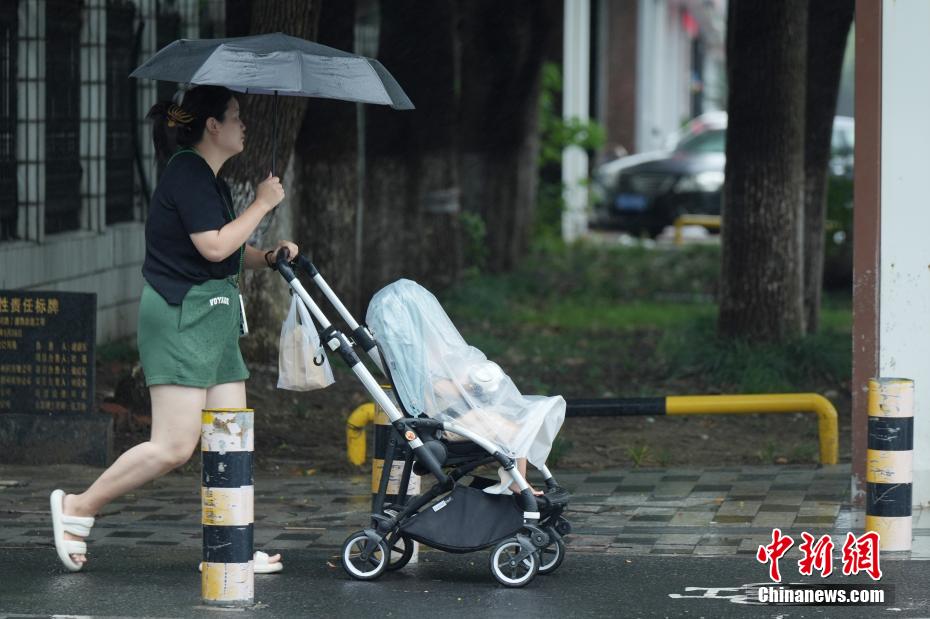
(725,511)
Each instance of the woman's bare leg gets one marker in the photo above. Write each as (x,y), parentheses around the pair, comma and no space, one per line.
(226,395)
(231,395)
(175,432)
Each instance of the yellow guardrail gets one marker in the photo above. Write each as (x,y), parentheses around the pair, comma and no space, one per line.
(827,425)
(827,420)
(708,221)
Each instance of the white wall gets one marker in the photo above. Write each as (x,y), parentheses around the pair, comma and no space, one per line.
(904,330)
(106,260)
(107,263)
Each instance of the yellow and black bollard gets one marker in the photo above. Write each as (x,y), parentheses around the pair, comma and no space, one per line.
(390,447)
(227,497)
(889,470)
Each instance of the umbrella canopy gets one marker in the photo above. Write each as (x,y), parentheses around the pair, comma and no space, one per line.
(276,64)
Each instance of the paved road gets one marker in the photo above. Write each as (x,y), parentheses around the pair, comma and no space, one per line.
(640,549)
(161,582)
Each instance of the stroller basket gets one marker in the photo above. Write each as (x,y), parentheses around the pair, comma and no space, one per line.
(466,520)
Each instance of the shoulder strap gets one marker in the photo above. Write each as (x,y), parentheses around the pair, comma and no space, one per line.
(178,152)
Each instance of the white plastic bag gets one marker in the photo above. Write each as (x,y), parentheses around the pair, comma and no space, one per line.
(300,351)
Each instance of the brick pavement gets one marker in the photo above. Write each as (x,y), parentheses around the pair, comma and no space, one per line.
(724,511)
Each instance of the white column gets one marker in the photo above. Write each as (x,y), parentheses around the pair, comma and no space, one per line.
(649,74)
(577,49)
(93,115)
(30,116)
(904,298)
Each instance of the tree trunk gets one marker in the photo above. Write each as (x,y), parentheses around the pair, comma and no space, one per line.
(761,277)
(266,296)
(411,193)
(828,27)
(503,47)
(326,158)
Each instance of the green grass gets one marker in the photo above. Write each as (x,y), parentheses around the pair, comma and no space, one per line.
(629,321)
(599,315)
(731,365)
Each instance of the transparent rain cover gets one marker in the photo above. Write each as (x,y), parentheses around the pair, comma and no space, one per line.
(439,375)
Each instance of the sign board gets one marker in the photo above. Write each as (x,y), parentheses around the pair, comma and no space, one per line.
(47,351)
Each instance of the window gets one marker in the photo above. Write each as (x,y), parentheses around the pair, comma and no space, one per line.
(8,191)
(62,113)
(710,141)
(120,155)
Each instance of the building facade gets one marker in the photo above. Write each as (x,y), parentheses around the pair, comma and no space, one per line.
(657,63)
(77,164)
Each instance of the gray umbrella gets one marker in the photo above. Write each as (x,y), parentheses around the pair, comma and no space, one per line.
(276,64)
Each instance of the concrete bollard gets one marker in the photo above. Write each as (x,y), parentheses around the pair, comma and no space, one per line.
(384,436)
(889,470)
(227,498)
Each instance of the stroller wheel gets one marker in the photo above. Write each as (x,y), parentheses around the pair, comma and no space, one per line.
(550,557)
(401,552)
(507,570)
(353,563)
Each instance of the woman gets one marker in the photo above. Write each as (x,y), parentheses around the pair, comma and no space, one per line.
(189,314)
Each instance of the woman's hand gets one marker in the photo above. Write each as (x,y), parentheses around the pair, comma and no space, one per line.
(292,250)
(269,193)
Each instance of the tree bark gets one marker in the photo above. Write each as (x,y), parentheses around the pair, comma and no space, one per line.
(828,27)
(503,47)
(266,296)
(412,194)
(761,272)
(326,159)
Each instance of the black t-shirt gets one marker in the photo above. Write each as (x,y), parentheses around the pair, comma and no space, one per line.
(188,199)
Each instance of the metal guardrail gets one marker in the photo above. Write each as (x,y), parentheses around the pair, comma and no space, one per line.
(827,425)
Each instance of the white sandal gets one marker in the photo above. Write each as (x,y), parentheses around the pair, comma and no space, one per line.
(260,564)
(75,525)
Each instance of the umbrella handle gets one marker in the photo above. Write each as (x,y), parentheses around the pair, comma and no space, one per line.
(274,131)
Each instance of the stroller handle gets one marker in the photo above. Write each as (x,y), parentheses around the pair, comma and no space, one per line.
(336,341)
(281,264)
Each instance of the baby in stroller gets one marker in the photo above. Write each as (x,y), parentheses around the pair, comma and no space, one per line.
(439,377)
(484,380)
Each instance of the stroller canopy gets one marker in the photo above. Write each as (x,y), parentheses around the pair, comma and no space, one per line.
(439,375)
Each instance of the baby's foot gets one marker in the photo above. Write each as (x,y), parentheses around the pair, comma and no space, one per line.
(516,490)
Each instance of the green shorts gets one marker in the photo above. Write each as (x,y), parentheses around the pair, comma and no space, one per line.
(195,344)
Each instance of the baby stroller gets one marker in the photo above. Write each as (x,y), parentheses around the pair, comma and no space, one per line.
(455,412)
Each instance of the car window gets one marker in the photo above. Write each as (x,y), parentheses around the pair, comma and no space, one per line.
(843,140)
(711,141)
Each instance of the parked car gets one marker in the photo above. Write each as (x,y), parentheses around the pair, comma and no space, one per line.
(646,194)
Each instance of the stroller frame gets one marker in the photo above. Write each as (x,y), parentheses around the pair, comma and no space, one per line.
(537,547)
